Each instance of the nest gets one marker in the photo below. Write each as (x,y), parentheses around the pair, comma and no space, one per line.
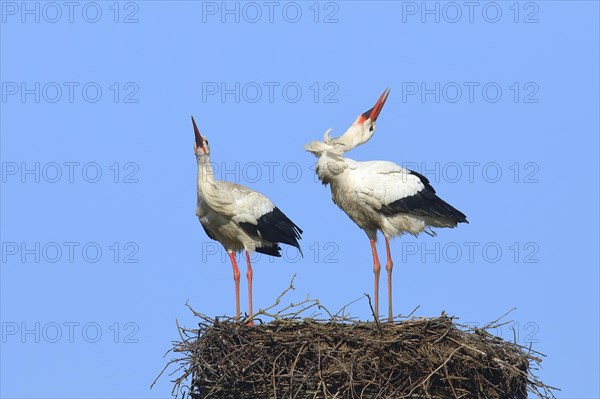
(339,357)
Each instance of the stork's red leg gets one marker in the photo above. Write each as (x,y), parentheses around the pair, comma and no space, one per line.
(236,278)
(389,266)
(249,275)
(376,270)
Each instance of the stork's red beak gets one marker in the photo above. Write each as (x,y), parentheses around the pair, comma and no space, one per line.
(373,113)
(197,134)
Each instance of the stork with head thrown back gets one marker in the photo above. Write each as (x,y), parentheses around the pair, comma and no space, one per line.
(239,218)
(379,195)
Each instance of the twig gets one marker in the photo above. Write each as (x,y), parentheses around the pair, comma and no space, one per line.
(436,370)
(376,317)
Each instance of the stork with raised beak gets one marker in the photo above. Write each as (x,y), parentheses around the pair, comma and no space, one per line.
(379,195)
(239,218)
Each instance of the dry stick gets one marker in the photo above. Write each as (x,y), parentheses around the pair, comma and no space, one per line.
(413,312)
(320,366)
(306,376)
(294,366)
(492,323)
(373,312)
(442,336)
(278,300)
(343,309)
(331,317)
(273,376)
(162,371)
(436,370)
(450,382)
(468,346)
(179,330)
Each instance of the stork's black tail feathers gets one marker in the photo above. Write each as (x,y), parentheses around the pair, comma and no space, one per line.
(272,250)
(425,203)
(276,227)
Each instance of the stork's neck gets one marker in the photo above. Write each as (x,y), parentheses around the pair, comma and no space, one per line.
(351,138)
(206,176)
(330,166)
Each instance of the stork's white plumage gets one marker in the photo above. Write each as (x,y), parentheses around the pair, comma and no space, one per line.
(239,218)
(379,195)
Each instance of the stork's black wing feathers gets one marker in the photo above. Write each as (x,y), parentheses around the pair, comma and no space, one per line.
(276,227)
(424,203)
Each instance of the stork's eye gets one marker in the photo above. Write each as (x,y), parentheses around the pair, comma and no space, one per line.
(371,128)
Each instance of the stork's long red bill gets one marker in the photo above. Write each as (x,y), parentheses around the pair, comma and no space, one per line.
(373,113)
(197,134)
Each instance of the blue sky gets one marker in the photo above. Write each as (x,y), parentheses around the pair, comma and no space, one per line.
(496,103)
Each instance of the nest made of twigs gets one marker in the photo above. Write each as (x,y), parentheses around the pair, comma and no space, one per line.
(339,357)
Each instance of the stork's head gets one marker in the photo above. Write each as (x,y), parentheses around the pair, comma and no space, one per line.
(363,127)
(201,145)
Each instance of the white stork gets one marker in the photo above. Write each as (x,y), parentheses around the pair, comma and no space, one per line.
(239,218)
(379,195)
